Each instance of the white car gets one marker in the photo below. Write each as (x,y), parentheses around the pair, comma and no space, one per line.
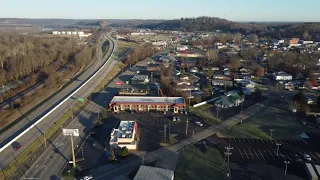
(178,119)
(174,119)
(86,178)
(306,157)
(198,123)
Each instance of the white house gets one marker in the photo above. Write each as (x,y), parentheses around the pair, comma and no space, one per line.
(182,48)
(282,76)
(55,32)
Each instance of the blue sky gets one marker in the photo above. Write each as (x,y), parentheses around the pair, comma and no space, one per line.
(236,10)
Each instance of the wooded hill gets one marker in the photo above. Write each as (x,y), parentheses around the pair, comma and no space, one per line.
(203,24)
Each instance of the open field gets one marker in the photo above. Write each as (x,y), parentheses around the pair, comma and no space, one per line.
(204,112)
(285,125)
(200,160)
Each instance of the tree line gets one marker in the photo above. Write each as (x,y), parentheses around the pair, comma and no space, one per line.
(139,53)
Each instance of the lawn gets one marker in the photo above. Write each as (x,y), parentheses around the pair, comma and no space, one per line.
(285,125)
(200,162)
(205,113)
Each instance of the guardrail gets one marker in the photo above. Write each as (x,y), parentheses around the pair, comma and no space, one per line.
(53,109)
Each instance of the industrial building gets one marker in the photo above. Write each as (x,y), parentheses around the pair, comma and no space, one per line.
(145,103)
(124,135)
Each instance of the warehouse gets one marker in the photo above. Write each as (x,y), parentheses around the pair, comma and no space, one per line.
(144,103)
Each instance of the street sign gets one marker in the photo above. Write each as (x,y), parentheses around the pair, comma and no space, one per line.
(81,99)
(70,132)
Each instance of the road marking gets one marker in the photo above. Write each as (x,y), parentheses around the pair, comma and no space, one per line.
(241,154)
(287,155)
(251,153)
(256,154)
(246,153)
(314,157)
(261,155)
(276,154)
(271,154)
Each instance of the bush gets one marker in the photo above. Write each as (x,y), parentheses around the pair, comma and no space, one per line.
(123,152)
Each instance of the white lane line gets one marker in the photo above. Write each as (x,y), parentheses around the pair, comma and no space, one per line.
(287,155)
(266,154)
(276,154)
(261,155)
(241,154)
(314,157)
(246,153)
(271,154)
(256,154)
(251,153)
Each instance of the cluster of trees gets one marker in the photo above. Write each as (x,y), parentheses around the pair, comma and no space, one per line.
(21,56)
(139,53)
(203,24)
(35,59)
(292,62)
(299,102)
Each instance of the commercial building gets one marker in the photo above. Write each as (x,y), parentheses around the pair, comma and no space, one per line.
(230,99)
(148,173)
(144,103)
(124,135)
(140,79)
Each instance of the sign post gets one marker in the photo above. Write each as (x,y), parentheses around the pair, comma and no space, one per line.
(71,132)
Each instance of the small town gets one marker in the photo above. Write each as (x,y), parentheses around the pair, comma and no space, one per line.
(195,93)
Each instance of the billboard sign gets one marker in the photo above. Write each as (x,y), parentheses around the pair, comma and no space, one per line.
(70,132)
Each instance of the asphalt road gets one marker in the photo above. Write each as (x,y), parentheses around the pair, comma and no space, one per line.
(51,163)
(8,154)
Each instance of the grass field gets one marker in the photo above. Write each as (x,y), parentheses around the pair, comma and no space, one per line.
(204,112)
(200,162)
(284,124)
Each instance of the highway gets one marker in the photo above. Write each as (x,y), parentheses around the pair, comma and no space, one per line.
(8,153)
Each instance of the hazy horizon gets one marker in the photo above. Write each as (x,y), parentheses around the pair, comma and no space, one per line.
(234,10)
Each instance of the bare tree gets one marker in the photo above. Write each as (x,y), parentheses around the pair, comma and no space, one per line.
(254,38)
(237,38)
(212,56)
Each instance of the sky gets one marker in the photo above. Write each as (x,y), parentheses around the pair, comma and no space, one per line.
(235,10)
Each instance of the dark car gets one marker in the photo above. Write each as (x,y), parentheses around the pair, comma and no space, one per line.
(16,145)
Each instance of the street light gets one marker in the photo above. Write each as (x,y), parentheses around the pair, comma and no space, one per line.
(278,144)
(271,130)
(285,170)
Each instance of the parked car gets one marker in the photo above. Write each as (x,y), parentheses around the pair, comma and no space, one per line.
(306,157)
(304,123)
(174,119)
(178,119)
(198,123)
(94,143)
(16,145)
(87,177)
(164,112)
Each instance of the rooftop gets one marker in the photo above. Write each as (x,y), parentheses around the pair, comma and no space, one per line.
(142,99)
(125,130)
(140,77)
(147,173)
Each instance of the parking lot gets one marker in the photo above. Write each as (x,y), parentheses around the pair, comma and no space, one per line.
(151,126)
(271,141)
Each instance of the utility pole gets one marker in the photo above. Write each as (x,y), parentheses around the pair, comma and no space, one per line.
(72,150)
(227,156)
(278,144)
(285,170)
(169,130)
(164,133)
(71,113)
(271,130)
(45,139)
(217,112)
(187,127)
(189,97)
